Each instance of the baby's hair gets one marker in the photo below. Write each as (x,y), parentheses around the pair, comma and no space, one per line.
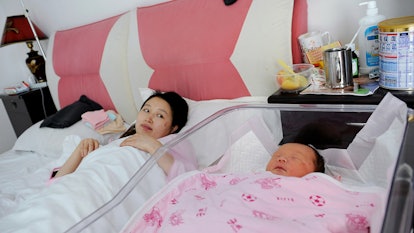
(320,161)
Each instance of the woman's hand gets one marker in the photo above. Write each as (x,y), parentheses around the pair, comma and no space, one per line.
(143,142)
(149,144)
(86,146)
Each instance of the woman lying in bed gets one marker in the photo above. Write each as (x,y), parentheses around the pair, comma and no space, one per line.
(161,116)
(101,174)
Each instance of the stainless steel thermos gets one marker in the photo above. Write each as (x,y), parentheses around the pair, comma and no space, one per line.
(338,67)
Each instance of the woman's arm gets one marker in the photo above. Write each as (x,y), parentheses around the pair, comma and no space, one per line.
(150,145)
(83,149)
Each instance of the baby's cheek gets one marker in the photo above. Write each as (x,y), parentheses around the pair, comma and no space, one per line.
(269,165)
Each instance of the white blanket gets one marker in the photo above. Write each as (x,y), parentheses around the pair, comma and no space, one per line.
(67,200)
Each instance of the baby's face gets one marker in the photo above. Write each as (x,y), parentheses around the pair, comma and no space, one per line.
(292,159)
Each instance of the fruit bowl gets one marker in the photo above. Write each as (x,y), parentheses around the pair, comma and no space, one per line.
(297,81)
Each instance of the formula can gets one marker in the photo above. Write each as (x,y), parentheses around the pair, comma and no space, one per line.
(396,53)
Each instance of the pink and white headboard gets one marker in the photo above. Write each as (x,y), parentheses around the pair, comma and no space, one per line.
(202,49)
(91,60)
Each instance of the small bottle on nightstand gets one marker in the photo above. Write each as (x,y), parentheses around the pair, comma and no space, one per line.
(355,61)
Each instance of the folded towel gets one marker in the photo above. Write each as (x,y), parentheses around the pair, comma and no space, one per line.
(95,119)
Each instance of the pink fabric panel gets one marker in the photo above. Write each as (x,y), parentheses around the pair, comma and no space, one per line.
(299,26)
(77,55)
(173,39)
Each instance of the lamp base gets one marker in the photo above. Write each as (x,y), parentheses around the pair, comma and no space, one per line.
(36,64)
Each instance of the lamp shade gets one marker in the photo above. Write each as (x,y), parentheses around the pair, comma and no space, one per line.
(17,29)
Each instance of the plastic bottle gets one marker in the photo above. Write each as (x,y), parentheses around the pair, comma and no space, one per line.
(368,43)
(355,61)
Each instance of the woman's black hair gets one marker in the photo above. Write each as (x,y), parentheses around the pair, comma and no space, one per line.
(178,105)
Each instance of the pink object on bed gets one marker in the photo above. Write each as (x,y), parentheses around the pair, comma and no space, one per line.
(95,119)
(77,56)
(195,56)
(258,202)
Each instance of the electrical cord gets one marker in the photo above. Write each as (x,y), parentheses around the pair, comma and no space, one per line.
(43,102)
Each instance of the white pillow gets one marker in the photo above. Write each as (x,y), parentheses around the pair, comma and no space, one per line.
(48,141)
(251,148)
(199,110)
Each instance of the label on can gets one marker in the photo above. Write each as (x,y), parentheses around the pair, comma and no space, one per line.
(396,60)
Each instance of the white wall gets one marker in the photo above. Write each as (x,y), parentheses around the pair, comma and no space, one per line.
(7,134)
(339,17)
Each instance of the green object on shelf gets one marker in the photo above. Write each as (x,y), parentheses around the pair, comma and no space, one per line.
(362,91)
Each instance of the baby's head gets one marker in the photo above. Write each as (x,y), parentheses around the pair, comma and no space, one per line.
(295,159)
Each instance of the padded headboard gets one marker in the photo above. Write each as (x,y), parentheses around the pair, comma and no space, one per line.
(91,60)
(202,49)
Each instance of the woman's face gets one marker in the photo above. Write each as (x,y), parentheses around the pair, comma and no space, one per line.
(155,118)
(292,159)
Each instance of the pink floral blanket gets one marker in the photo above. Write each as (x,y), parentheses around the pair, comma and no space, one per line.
(260,202)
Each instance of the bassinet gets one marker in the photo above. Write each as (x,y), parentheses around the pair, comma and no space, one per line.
(241,139)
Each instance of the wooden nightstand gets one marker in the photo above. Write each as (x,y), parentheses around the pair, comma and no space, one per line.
(291,98)
(27,108)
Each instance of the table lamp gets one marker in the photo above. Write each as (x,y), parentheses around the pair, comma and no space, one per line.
(19,28)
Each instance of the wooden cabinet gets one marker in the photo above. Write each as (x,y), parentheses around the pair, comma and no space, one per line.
(27,108)
(292,98)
